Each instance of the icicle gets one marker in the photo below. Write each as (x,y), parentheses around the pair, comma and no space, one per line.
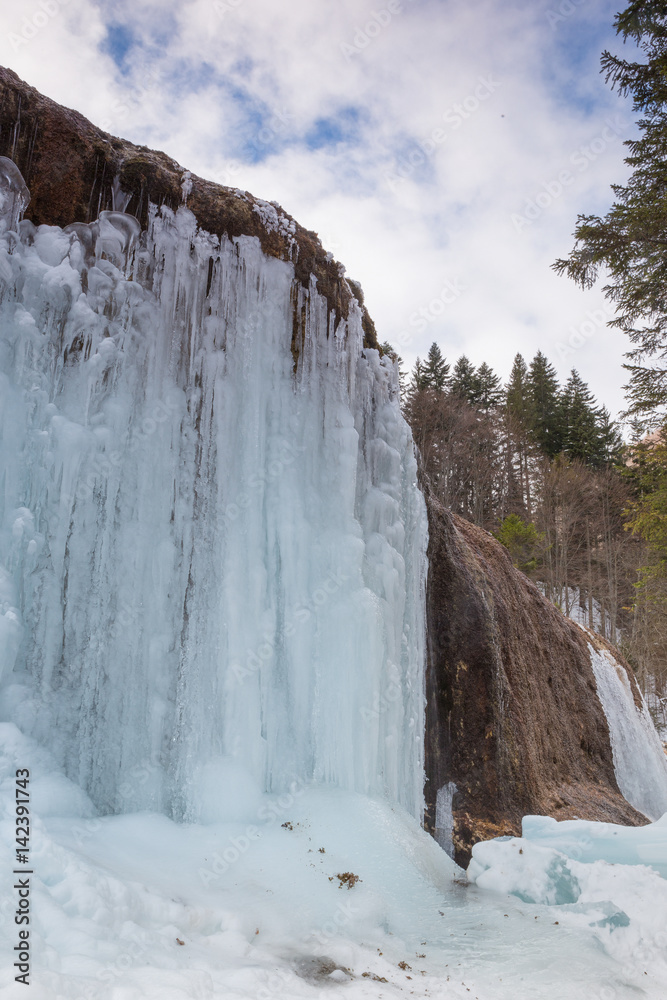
(224,570)
(639,761)
(14,195)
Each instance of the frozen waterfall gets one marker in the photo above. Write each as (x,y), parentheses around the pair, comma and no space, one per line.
(639,761)
(213,556)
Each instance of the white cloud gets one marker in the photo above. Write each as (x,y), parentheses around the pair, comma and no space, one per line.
(480,106)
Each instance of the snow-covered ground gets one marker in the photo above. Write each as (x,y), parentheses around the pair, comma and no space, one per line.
(574,604)
(266,909)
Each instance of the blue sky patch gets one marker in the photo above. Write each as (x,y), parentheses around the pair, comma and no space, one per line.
(118,43)
(334,129)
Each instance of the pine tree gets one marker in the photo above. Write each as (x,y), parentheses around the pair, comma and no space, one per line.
(582,438)
(610,438)
(628,243)
(518,421)
(435,370)
(490,388)
(465,383)
(517,394)
(544,404)
(416,383)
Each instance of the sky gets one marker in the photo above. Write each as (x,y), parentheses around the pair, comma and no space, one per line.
(442,150)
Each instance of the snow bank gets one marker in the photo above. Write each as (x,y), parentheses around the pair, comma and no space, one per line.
(592,878)
(314,893)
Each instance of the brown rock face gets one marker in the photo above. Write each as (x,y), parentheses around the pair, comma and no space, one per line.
(512,718)
(74,171)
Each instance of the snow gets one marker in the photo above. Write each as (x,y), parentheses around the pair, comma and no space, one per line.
(595,878)
(262,913)
(639,759)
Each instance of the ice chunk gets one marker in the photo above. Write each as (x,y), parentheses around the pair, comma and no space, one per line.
(118,232)
(52,244)
(587,841)
(565,868)
(444,819)
(27,231)
(535,874)
(14,195)
(86,234)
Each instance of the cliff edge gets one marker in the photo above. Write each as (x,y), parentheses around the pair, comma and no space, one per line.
(74,171)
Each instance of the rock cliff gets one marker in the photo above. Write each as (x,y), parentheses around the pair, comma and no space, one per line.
(75,170)
(513,719)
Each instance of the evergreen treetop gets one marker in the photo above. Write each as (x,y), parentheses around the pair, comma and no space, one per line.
(464,382)
(545,417)
(582,438)
(490,390)
(630,241)
(435,370)
(516,392)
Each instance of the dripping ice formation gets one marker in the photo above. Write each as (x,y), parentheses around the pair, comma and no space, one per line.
(213,556)
(639,760)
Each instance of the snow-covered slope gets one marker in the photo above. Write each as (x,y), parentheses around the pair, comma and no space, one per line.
(268,907)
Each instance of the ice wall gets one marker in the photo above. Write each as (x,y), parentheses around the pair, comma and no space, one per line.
(639,760)
(213,557)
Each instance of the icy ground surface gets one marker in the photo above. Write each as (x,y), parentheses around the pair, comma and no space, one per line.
(262,912)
